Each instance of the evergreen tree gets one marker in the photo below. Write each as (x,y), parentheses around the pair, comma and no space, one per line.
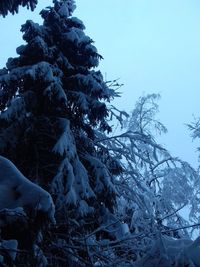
(53,105)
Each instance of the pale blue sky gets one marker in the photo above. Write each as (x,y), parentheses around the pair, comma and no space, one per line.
(151,45)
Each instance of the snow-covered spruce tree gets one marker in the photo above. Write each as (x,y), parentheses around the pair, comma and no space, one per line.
(13,5)
(52,101)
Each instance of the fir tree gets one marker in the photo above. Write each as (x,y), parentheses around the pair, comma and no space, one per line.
(53,104)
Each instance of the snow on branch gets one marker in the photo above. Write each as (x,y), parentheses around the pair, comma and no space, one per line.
(17,191)
(65,144)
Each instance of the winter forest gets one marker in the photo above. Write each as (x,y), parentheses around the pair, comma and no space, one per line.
(82,182)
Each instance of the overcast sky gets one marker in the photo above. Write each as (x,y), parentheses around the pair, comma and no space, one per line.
(153,46)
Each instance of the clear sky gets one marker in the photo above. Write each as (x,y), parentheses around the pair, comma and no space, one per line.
(153,46)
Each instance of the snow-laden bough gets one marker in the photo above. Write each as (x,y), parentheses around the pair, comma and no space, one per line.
(17,191)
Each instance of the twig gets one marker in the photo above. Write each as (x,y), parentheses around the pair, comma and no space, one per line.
(171,214)
(180,228)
